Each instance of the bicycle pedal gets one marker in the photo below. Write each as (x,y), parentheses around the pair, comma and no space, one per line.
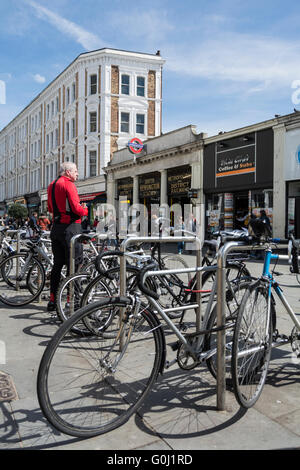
(182,327)
(174,346)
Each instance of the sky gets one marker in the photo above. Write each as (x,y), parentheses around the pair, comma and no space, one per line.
(229,63)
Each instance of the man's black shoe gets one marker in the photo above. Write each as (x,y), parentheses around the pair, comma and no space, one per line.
(51,306)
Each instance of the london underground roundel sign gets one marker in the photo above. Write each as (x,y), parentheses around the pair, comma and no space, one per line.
(135,145)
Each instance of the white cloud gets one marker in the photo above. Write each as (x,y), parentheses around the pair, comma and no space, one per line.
(87,40)
(39,78)
(261,61)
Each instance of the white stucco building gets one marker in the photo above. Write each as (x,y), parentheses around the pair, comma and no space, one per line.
(94,107)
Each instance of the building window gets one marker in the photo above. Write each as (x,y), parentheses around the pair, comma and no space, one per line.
(73,92)
(57,104)
(67,131)
(68,96)
(47,143)
(140,86)
(93,122)
(56,138)
(52,108)
(125,84)
(48,112)
(73,128)
(140,124)
(93,163)
(93,84)
(125,122)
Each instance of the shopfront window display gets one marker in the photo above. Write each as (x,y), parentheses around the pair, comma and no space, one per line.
(229,211)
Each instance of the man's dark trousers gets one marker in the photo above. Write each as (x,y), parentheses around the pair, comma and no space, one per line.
(61,235)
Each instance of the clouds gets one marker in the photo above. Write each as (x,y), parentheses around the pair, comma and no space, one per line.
(39,78)
(240,58)
(86,39)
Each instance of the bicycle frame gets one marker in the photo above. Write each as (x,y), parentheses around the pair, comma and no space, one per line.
(268,276)
(196,349)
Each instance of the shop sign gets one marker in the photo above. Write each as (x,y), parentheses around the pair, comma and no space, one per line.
(125,187)
(235,162)
(150,186)
(179,182)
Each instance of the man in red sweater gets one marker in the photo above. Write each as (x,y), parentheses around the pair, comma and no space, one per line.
(64,204)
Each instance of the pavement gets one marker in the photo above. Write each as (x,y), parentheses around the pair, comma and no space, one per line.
(180,414)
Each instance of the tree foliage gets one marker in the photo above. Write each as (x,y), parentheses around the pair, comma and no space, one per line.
(18,211)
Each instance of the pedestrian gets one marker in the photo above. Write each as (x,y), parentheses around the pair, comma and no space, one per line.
(85,224)
(43,222)
(96,222)
(64,204)
(6,220)
(264,217)
(191,223)
(33,218)
(180,226)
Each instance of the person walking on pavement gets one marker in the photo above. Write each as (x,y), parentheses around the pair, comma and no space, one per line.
(43,222)
(64,204)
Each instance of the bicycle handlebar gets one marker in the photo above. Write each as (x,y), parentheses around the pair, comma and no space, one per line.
(101,269)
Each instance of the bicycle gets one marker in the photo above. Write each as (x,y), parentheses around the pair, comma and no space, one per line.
(90,385)
(255,333)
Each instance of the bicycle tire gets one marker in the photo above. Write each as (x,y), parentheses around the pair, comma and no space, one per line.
(65,307)
(15,292)
(112,284)
(87,386)
(252,345)
(233,298)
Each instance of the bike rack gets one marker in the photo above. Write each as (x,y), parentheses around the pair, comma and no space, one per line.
(174,239)
(100,236)
(221,286)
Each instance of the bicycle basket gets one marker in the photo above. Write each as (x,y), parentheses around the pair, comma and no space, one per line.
(259,230)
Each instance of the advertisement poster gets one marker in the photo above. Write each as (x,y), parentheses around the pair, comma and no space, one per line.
(228,209)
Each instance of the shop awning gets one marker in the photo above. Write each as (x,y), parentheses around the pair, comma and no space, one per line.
(90,196)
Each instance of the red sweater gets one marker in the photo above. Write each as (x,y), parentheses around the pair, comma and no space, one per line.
(67,200)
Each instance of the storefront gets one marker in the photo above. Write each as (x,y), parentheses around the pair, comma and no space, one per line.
(33,202)
(292,178)
(92,201)
(3,208)
(238,179)
(179,185)
(149,190)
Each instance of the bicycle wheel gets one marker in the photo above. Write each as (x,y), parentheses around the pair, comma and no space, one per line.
(235,274)
(233,298)
(89,386)
(177,262)
(252,345)
(69,296)
(172,286)
(94,290)
(23,279)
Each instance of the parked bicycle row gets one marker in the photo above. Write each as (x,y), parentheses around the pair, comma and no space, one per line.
(110,349)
